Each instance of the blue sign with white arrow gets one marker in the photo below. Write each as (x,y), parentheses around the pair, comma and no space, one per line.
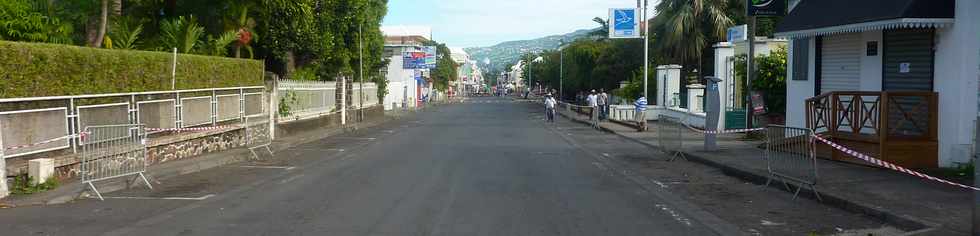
(624,23)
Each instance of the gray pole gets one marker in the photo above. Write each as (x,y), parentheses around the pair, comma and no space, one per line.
(360,52)
(976,194)
(646,48)
(750,70)
(561,73)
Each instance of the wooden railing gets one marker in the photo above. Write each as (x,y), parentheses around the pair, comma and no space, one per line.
(874,116)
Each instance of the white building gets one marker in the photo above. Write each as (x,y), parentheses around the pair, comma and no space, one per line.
(897,78)
(404,86)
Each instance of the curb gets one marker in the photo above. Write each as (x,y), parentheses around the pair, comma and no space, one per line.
(903,222)
(76,190)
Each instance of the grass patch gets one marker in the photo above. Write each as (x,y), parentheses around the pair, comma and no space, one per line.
(23,184)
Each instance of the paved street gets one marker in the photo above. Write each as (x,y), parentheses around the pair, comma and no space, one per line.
(490,166)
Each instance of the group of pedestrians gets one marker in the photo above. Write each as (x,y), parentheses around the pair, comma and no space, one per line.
(599,104)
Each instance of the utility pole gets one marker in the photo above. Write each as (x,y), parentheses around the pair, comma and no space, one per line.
(360,52)
(561,73)
(750,69)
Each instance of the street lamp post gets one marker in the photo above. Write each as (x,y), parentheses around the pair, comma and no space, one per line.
(646,48)
(561,72)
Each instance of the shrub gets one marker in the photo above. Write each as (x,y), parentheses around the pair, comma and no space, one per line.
(35,69)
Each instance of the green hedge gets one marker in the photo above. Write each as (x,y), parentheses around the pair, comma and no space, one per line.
(35,69)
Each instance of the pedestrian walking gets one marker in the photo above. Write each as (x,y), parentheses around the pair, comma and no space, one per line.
(603,103)
(641,113)
(593,101)
(549,105)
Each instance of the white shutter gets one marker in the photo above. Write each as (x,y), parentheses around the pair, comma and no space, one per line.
(840,63)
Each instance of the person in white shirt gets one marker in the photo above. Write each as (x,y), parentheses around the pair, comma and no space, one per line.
(549,105)
(594,104)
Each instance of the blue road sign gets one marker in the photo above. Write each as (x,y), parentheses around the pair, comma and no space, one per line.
(624,23)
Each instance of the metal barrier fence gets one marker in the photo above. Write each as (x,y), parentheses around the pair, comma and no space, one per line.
(258,134)
(112,151)
(33,119)
(670,136)
(791,156)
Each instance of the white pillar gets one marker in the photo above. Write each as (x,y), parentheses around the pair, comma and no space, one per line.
(669,83)
(724,51)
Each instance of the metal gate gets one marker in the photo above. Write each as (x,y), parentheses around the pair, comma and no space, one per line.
(258,134)
(112,151)
(791,156)
(670,136)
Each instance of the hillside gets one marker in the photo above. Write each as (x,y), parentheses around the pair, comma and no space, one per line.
(507,53)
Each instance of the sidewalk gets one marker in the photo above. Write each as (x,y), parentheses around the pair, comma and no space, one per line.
(907,202)
(73,189)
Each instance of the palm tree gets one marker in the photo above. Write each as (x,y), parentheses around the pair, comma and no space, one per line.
(684,28)
(245,28)
(603,31)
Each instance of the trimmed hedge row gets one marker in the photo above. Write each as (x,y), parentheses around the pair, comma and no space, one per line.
(36,70)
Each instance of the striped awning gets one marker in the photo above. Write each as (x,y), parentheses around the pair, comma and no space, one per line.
(827,17)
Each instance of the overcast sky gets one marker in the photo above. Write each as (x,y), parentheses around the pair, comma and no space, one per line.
(469,23)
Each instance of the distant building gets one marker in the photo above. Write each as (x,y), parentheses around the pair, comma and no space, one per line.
(406,87)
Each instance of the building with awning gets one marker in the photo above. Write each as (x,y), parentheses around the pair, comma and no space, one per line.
(893,78)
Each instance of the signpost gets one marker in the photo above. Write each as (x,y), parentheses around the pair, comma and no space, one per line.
(754,8)
(624,23)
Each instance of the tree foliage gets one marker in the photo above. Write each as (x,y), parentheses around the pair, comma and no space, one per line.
(770,78)
(31,21)
(446,69)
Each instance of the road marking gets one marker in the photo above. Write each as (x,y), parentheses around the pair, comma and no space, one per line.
(270,167)
(291,179)
(352,138)
(676,216)
(166,198)
(662,185)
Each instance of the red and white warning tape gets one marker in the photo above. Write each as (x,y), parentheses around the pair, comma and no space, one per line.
(82,135)
(888,165)
(730,131)
(195,129)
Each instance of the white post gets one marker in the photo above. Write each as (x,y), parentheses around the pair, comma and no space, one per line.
(4,192)
(343,100)
(273,106)
(173,72)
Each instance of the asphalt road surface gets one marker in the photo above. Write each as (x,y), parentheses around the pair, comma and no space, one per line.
(490,166)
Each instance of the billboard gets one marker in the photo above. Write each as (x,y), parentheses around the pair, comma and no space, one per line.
(766,7)
(413,60)
(623,23)
(430,57)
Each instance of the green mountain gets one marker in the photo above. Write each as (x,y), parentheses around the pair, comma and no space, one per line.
(507,53)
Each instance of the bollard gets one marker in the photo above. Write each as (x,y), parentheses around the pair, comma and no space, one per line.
(713,113)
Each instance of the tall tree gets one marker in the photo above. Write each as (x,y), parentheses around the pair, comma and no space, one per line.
(685,28)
